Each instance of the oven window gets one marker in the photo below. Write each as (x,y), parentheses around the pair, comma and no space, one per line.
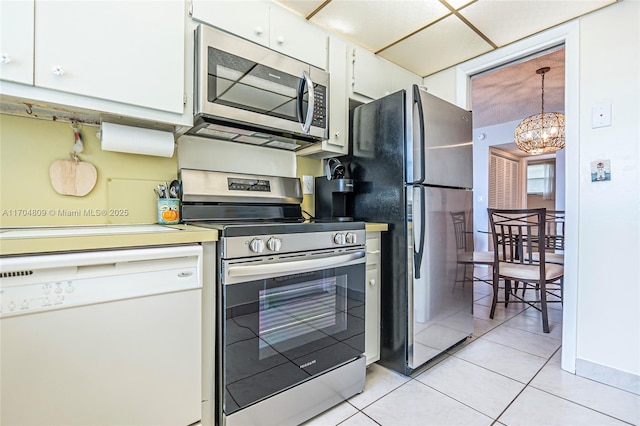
(314,308)
(278,332)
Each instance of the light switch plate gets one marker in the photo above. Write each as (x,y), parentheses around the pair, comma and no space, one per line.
(600,115)
(307,184)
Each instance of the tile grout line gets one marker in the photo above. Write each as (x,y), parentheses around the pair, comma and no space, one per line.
(526,385)
(574,402)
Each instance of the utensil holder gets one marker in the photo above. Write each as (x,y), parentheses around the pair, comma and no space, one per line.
(168,211)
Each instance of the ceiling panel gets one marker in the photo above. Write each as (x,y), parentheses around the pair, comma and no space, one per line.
(457,4)
(514,92)
(437,47)
(376,24)
(508,95)
(507,21)
(301,7)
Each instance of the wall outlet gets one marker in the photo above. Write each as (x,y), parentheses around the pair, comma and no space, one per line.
(307,184)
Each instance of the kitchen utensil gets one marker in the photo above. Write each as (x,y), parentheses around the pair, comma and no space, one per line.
(162,189)
(73,177)
(174,188)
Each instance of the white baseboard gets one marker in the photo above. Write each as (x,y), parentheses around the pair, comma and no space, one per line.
(609,376)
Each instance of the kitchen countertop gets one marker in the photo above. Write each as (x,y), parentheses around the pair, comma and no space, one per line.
(15,241)
(374,227)
(72,238)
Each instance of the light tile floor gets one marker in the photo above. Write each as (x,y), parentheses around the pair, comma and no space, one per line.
(507,373)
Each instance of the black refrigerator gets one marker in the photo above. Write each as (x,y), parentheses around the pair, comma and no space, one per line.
(411,161)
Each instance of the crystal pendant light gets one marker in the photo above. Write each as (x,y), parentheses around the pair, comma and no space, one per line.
(541,133)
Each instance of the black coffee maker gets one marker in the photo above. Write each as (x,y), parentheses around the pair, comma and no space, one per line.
(333,192)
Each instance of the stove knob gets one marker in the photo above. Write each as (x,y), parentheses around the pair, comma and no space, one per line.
(274,244)
(339,239)
(256,245)
(351,238)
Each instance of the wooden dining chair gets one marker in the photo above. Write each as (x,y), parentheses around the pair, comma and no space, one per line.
(519,238)
(554,236)
(467,256)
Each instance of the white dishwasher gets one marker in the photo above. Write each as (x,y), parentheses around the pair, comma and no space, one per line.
(101,338)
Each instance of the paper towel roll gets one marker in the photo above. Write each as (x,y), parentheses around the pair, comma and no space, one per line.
(136,140)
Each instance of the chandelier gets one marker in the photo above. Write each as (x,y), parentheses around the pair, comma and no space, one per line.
(541,133)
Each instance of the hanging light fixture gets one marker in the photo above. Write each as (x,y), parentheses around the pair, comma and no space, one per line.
(541,133)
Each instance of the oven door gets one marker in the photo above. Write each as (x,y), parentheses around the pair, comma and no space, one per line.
(285,321)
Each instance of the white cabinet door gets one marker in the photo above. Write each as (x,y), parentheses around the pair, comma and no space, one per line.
(16,40)
(401,79)
(130,52)
(338,100)
(371,74)
(248,19)
(338,142)
(375,77)
(372,296)
(297,37)
(270,25)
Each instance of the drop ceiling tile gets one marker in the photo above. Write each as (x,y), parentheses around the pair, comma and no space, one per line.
(376,24)
(457,4)
(510,20)
(446,43)
(301,7)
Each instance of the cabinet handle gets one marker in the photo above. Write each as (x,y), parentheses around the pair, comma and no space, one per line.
(280,40)
(372,282)
(259,30)
(337,135)
(6,58)
(373,252)
(57,70)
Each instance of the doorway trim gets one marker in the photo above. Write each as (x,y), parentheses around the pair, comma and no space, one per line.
(569,35)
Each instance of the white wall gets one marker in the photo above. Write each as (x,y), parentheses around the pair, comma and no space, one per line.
(607,229)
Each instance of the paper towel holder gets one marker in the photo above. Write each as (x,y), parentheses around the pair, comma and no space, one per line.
(133,139)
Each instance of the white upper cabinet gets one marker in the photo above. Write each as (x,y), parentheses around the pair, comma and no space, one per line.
(402,78)
(375,77)
(338,141)
(267,24)
(16,41)
(298,38)
(371,74)
(130,52)
(248,19)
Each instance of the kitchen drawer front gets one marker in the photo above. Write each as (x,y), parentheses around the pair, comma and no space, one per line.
(373,249)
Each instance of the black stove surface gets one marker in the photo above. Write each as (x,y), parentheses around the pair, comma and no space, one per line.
(246,229)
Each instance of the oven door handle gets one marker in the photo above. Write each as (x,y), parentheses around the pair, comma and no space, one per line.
(294,266)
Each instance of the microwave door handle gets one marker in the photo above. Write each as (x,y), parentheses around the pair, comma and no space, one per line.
(305,80)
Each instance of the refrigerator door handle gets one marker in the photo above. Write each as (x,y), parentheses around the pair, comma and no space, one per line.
(418,249)
(417,99)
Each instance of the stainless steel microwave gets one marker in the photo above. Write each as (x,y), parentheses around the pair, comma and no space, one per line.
(248,93)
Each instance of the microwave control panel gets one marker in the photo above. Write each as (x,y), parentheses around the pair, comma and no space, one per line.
(319,106)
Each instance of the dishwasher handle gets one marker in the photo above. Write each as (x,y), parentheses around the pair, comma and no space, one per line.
(274,269)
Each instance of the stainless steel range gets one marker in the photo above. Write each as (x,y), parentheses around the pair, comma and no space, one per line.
(291,299)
